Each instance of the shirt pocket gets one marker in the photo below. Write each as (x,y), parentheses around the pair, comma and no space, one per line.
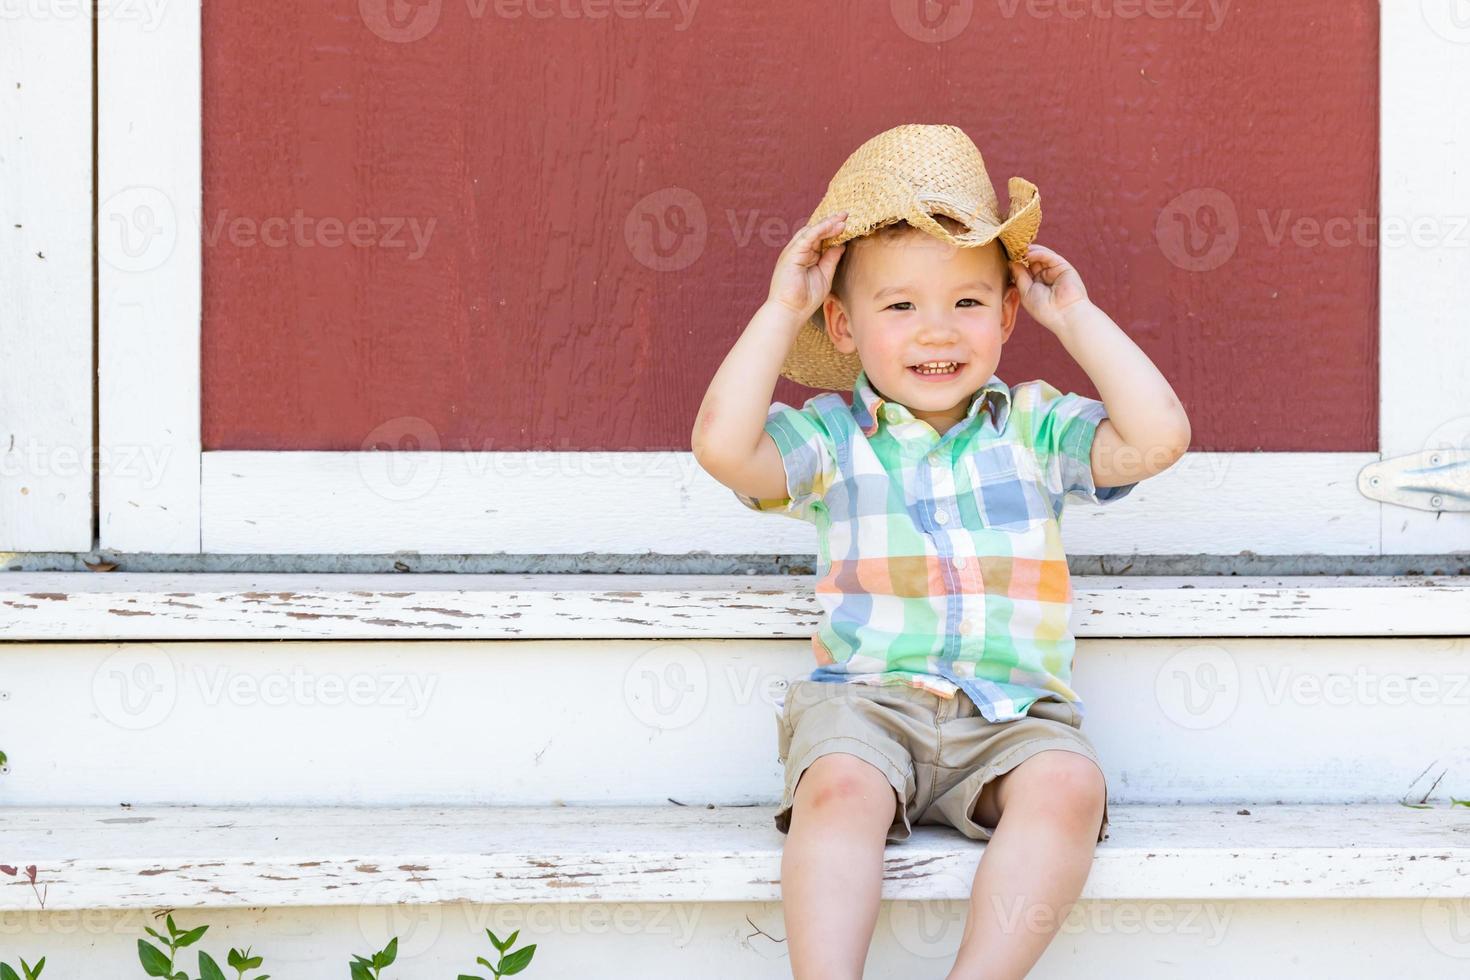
(1005,491)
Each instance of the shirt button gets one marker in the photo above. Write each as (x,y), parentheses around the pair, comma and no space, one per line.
(959,563)
(933,459)
(942,517)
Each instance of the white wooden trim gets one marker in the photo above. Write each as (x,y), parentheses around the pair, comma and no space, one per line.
(45,280)
(218,857)
(1424,276)
(240,606)
(664,503)
(149,255)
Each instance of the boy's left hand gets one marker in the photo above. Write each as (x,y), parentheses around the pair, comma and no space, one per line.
(1051,290)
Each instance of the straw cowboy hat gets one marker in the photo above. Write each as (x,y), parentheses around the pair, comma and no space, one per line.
(910,172)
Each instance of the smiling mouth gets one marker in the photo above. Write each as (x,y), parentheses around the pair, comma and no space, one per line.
(937,369)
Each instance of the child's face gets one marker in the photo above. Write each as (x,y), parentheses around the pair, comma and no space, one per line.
(914,298)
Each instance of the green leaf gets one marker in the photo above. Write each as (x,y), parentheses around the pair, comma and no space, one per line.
(208,968)
(1418,806)
(389,954)
(485,963)
(511,941)
(7,972)
(360,972)
(156,935)
(467,976)
(517,961)
(191,937)
(1455,802)
(32,972)
(173,930)
(495,942)
(154,962)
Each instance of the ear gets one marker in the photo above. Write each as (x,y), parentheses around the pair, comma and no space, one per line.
(839,327)
(1010,304)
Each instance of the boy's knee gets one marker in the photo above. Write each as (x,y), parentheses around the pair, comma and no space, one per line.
(1067,781)
(844,783)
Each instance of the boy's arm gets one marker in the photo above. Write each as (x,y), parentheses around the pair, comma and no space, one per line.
(729,438)
(1147,429)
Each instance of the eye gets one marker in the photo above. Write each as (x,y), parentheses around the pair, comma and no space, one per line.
(899,303)
(969,300)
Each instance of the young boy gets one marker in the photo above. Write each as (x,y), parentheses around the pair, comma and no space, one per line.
(941,694)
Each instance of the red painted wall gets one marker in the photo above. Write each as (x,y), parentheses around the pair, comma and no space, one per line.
(535,154)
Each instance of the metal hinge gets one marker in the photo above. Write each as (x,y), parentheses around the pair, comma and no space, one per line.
(1434,479)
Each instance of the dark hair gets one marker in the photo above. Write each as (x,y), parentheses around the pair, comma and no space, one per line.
(840,276)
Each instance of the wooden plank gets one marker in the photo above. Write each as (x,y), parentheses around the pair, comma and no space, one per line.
(464,721)
(664,503)
(46,280)
(230,857)
(149,180)
(1424,257)
(246,606)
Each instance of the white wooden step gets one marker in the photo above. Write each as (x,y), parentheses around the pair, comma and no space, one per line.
(218,606)
(1336,719)
(210,857)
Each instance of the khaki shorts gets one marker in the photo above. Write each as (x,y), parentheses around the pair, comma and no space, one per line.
(938,753)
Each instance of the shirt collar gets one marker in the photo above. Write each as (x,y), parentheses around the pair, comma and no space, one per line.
(871,409)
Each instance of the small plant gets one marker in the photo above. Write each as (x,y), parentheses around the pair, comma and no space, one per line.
(512,963)
(31,875)
(371,969)
(239,960)
(7,972)
(156,964)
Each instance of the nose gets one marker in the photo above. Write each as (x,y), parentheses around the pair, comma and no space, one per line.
(938,328)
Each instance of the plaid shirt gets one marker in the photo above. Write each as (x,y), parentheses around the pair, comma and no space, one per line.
(939,559)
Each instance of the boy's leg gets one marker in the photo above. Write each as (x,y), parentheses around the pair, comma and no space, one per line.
(1046,813)
(832,865)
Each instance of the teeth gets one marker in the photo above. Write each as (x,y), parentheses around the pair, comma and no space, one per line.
(936,367)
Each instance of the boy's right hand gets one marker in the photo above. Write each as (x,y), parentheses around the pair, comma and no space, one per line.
(803,275)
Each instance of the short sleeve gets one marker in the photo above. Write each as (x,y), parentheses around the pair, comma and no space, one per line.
(1061,429)
(809,457)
